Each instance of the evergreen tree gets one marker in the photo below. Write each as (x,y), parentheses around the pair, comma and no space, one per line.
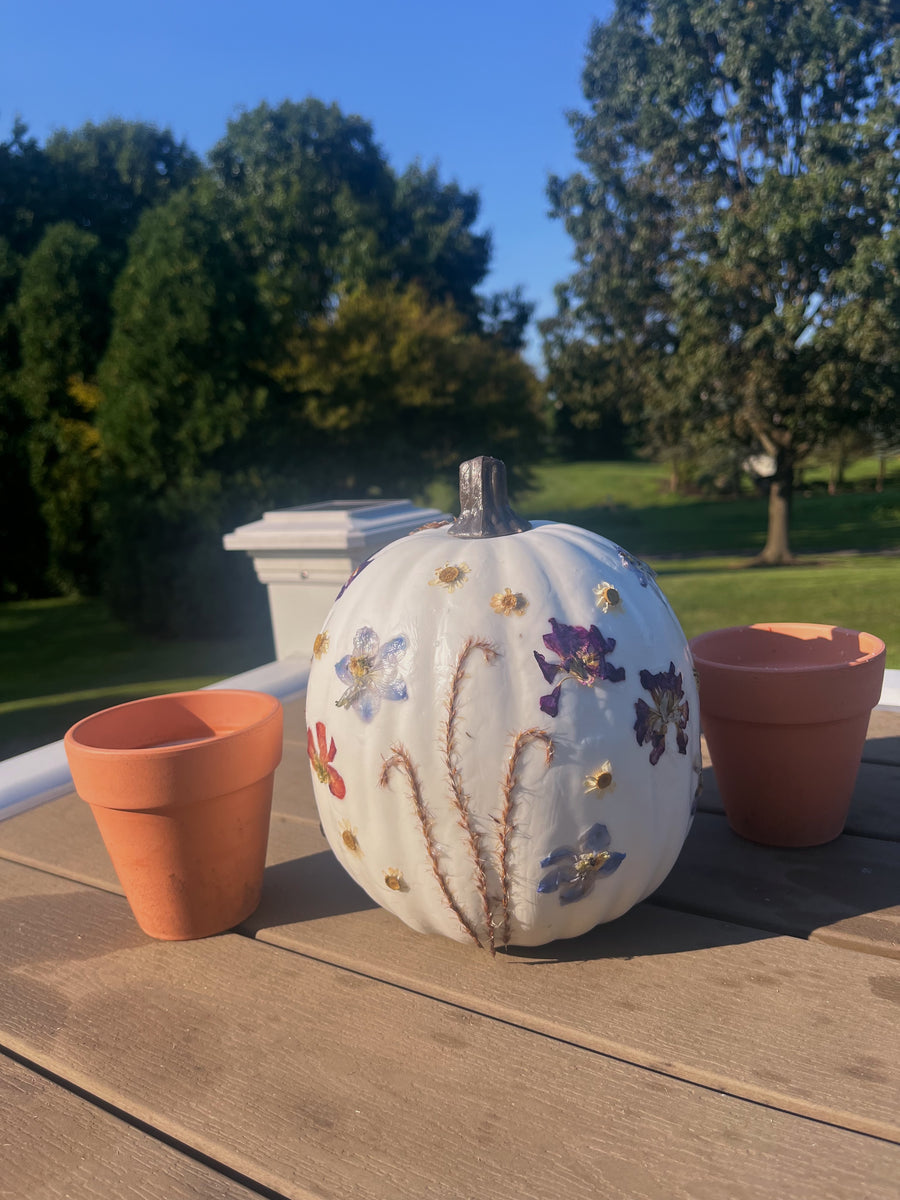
(62,317)
(179,395)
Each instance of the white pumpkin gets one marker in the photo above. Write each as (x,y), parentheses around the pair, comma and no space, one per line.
(503,726)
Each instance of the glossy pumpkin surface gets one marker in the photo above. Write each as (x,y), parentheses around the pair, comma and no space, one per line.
(503,733)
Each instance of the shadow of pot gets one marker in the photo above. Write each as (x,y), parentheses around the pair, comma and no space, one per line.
(181,789)
(785,709)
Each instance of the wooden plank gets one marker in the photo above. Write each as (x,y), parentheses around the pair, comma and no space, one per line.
(62,837)
(717,988)
(315,1081)
(793,1024)
(883,738)
(295,722)
(846,893)
(55,1144)
(874,809)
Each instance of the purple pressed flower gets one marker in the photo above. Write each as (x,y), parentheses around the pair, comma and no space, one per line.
(371,673)
(573,872)
(669,708)
(582,657)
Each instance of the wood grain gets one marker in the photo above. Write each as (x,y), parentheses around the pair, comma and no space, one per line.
(874,808)
(718,1004)
(883,738)
(316,1081)
(58,1146)
(846,893)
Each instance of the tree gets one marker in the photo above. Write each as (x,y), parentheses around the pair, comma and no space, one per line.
(735,227)
(180,392)
(23,548)
(66,211)
(62,319)
(322,211)
(433,243)
(108,174)
(312,195)
(393,389)
(25,204)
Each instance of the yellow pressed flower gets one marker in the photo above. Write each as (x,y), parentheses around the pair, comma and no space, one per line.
(508,602)
(600,780)
(394,880)
(607,597)
(450,575)
(320,645)
(349,838)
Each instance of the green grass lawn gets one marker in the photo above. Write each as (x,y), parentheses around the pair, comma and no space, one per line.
(858,591)
(63,659)
(630,504)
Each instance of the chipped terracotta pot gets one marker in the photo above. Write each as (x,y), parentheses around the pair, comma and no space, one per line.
(181,789)
(785,709)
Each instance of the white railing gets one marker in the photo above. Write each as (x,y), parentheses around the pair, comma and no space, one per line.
(37,776)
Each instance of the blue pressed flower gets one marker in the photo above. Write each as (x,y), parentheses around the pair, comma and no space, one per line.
(582,657)
(371,673)
(573,872)
(669,708)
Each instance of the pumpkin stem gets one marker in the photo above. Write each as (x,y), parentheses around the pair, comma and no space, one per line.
(484,509)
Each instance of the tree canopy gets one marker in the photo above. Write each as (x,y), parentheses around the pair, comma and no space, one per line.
(736,229)
(185,344)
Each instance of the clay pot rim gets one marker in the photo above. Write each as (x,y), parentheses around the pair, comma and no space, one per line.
(73,738)
(785,627)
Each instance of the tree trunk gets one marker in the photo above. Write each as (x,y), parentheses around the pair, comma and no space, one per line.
(777,550)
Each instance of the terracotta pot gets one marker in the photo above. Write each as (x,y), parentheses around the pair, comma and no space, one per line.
(181,789)
(785,709)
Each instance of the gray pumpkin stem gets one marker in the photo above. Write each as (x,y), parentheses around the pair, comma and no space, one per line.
(484,509)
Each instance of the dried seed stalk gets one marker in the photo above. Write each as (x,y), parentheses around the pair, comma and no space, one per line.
(401,761)
(506,827)
(458,793)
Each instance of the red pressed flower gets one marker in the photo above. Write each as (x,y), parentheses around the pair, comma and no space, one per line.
(321,757)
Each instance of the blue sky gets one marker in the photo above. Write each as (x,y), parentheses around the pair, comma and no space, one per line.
(480,88)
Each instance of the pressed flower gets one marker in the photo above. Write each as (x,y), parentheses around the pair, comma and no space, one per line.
(349,839)
(582,657)
(321,755)
(601,780)
(371,673)
(608,598)
(450,576)
(669,708)
(644,573)
(573,871)
(508,602)
(394,880)
(320,645)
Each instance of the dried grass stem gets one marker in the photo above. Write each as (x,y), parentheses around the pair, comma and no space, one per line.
(400,760)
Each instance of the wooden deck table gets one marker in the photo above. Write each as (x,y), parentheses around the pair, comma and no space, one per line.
(738,1035)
